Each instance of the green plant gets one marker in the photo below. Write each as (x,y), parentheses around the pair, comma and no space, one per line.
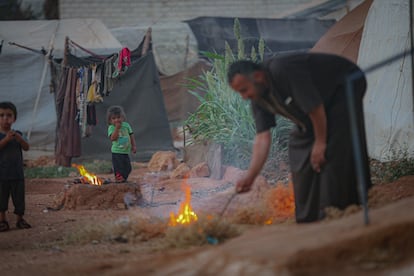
(223,116)
(401,163)
(95,167)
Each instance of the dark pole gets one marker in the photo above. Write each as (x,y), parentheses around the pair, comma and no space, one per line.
(362,175)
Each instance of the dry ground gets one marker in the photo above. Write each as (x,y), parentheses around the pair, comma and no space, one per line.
(337,246)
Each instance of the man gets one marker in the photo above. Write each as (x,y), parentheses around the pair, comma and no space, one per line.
(307,88)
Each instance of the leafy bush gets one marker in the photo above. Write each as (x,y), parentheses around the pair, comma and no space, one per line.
(223,116)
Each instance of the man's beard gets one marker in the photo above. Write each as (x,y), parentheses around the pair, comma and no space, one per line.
(260,89)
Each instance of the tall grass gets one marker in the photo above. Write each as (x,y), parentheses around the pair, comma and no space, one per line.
(223,117)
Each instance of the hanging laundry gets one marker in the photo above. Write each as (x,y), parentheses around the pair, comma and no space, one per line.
(124,59)
(122,62)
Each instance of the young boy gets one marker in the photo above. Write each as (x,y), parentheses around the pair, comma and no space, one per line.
(11,167)
(123,142)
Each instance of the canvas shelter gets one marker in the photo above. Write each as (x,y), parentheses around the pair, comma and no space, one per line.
(175,51)
(82,122)
(368,35)
(280,35)
(25,74)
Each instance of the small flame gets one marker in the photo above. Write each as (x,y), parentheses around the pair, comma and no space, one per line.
(186,214)
(89,177)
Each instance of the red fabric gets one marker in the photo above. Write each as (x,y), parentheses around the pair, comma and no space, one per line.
(124,58)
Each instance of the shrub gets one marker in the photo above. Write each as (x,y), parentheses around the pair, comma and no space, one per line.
(223,117)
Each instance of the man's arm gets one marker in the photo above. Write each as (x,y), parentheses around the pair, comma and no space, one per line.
(260,152)
(318,119)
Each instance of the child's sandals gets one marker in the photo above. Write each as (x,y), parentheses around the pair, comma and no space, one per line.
(4,226)
(22,224)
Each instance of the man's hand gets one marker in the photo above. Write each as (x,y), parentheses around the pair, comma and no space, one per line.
(318,118)
(244,185)
(317,158)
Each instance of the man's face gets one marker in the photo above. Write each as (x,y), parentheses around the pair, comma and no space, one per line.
(248,87)
(7,118)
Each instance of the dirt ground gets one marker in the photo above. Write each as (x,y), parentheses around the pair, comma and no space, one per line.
(339,245)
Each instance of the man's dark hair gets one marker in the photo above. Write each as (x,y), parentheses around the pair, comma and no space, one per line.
(9,105)
(243,67)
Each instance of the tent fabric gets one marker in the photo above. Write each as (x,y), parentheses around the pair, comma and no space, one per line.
(25,75)
(179,103)
(344,37)
(68,133)
(372,32)
(138,91)
(174,45)
(389,100)
(213,32)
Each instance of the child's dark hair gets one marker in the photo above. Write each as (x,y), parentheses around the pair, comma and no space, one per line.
(115,110)
(242,67)
(9,105)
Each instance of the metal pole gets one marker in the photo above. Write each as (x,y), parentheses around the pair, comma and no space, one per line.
(355,131)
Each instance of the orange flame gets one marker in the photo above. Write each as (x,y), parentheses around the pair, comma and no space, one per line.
(281,202)
(89,177)
(186,215)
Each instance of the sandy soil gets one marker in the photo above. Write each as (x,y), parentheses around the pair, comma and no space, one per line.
(340,245)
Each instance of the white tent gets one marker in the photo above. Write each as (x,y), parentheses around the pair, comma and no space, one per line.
(174,45)
(25,75)
(388,103)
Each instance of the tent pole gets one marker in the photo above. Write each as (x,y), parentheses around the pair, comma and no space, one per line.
(412,47)
(39,91)
(147,42)
(65,52)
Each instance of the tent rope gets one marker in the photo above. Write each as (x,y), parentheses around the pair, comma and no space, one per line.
(86,50)
(42,51)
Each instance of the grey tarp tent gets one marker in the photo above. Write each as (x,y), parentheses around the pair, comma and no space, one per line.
(137,90)
(25,75)
(212,32)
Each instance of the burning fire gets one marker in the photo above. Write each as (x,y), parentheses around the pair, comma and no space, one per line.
(186,214)
(281,202)
(87,176)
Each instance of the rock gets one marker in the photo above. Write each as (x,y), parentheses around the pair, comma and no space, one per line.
(181,171)
(200,170)
(163,161)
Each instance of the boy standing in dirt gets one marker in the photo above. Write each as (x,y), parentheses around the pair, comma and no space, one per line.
(11,167)
(123,142)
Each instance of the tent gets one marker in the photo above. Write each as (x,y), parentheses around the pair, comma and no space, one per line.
(81,122)
(175,50)
(371,33)
(24,70)
(213,32)
(389,111)
(344,37)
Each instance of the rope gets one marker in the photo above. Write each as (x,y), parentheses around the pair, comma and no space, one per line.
(86,50)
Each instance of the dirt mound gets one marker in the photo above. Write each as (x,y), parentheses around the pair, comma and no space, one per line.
(93,197)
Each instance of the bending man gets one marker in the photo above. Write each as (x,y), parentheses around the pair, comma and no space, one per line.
(308,89)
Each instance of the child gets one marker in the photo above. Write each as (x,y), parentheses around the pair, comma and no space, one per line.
(11,167)
(123,142)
